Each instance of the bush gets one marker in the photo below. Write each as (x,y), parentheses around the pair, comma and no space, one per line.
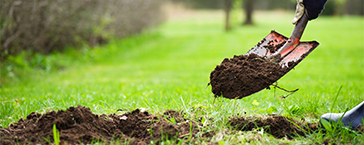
(45,26)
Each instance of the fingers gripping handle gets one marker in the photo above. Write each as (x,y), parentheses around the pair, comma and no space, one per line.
(300,10)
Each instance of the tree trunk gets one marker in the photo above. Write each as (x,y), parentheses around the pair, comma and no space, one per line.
(248,7)
(227,8)
(338,9)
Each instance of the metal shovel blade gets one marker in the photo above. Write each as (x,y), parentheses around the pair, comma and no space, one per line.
(274,41)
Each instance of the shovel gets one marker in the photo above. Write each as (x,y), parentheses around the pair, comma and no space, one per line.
(275,48)
(292,52)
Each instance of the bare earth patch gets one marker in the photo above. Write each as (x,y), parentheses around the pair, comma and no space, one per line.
(79,124)
(276,125)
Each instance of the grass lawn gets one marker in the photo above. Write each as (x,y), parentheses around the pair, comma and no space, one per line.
(169,67)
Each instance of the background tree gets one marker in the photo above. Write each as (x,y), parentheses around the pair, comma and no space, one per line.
(347,7)
(338,7)
(354,7)
(202,4)
(227,8)
(248,6)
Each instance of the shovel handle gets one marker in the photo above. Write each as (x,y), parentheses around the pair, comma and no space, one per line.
(300,27)
(294,40)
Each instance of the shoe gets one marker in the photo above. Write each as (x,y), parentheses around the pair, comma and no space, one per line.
(352,118)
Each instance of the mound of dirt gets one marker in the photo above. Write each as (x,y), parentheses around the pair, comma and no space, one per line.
(79,124)
(244,75)
(278,126)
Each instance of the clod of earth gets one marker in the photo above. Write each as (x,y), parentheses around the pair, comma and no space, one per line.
(244,75)
(276,125)
(79,125)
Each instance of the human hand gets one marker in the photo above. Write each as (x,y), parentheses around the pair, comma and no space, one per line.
(312,7)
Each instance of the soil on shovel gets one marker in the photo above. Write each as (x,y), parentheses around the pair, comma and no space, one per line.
(244,75)
(79,124)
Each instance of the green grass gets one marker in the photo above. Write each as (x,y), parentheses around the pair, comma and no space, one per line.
(169,67)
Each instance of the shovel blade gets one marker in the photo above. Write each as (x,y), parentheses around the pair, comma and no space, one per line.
(298,54)
(274,41)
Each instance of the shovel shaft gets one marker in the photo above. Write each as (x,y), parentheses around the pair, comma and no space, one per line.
(294,40)
(300,27)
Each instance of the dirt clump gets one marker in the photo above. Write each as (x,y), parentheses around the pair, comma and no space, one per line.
(276,125)
(177,116)
(79,124)
(244,75)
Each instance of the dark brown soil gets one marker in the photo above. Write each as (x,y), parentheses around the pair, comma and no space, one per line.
(79,124)
(276,125)
(244,75)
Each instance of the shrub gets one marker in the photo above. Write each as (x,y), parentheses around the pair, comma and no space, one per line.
(45,26)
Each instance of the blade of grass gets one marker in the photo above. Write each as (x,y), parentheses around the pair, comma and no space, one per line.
(55,135)
(337,94)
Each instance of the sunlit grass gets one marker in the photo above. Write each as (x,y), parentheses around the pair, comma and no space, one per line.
(169,67)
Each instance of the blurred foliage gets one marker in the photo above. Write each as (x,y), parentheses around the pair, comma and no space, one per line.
(202,4)
(46,26)
(219,4)
(17,67)
(329,8)
(354,7)
(350,7)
